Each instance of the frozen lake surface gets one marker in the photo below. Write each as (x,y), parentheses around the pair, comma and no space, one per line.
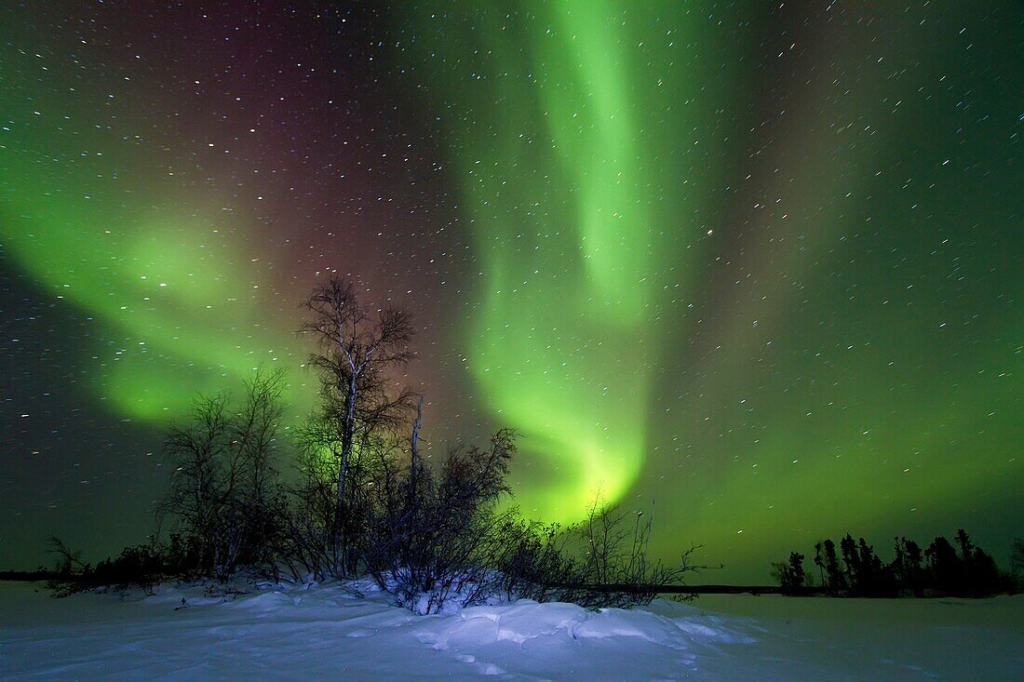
(327,633)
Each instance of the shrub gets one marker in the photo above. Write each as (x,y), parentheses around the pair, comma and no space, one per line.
(602,561)
(224,498)
(434,536)
(437,537)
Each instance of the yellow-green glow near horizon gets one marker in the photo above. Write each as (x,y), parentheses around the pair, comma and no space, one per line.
(660,324)
(566,179)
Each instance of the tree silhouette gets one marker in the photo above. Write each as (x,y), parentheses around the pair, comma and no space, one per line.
(961,570)
(984,575)
(224,494)
(945,567)
(836,579)
(357,347)
(851,562)
(795,573)
(913,559)
(906,567)
(819,561)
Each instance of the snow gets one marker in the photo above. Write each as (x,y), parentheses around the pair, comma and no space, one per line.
(352,632)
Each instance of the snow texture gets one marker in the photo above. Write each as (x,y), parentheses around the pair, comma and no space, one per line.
(352,632)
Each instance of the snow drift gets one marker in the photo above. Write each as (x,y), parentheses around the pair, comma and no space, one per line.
(351,632)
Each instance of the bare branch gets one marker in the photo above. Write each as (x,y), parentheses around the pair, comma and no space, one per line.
(357,347)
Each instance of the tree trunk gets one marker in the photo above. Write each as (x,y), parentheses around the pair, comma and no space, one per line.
(347,437)
(414,464)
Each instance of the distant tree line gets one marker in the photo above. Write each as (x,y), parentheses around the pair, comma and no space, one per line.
(361,498)
(943,568)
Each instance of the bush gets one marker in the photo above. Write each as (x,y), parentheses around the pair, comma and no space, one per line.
(790,575)
(437,537)
(602,561)
(142,565)
(434,535)
(224,498)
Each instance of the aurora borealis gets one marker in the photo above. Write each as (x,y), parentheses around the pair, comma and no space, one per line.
(754,266)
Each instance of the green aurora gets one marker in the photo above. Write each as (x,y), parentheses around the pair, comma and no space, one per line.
(735,360)
(570,207)
(148,254)
(757,267)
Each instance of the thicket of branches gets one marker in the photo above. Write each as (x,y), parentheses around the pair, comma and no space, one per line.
(225,499)
(602,560)
(364,501)
(855,570)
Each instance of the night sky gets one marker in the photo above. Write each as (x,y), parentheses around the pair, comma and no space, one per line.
(754,266)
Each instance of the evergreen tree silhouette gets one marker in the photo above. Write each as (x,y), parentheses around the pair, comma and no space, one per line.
(851,562)
(819,561)
(913,573)
(836,580)
(899,562)
(796,569)
(984,574)
(945,568)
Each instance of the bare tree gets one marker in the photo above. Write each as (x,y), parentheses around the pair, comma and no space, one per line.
(197,453)
(435,536)
(224,489)
(254,437)
(357,348)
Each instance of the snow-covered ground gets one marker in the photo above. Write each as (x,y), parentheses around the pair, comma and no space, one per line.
(327,633)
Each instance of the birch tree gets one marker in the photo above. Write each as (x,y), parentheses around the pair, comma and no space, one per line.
(358,346)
